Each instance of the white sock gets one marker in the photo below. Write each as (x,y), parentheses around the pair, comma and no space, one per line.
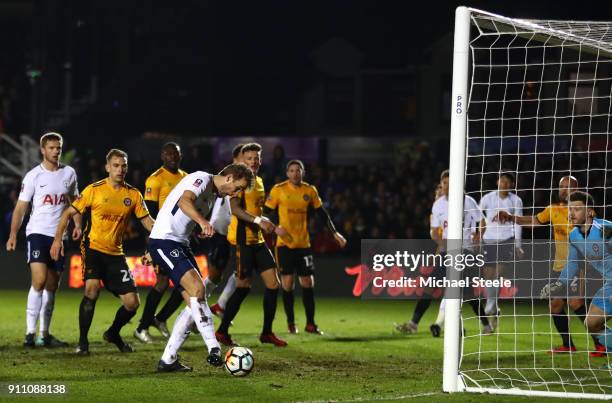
(491,307)
(180,332)
(229,289)
(440,318)
(46,310)
(33,309)
(203,318)
(210,286)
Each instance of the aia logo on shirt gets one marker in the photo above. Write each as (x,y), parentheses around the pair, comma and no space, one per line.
(54,200)
(197,183)
(127,201)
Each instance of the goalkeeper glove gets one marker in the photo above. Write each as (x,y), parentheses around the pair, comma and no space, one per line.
(555,288)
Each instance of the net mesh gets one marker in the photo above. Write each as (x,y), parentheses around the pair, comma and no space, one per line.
(539,107)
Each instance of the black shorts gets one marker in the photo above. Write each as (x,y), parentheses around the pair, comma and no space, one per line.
(219,251)
(250,258)
(111,269)
(501,252)
(298,260)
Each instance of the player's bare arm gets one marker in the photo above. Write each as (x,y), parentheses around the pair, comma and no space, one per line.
(324,216)
(78,222)
(436,235)
(147,222)
(21,207)
(58,248)
(240,213)
(187,205)
(526,221)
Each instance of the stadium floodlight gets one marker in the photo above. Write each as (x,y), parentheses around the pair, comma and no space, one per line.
(533,97)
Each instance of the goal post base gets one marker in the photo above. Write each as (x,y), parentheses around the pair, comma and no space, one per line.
(523,392)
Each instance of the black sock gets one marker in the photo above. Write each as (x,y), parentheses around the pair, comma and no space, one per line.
(581,313)
(309,304)
(122,317)
(562,324)
(173,303)
(232,307)
(420,308)
(269,305)
(86,313)
(148,313)
(478,308)
(288,303)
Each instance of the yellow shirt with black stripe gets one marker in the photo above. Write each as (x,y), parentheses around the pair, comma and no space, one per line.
(109,212)
(251,200)
(293,202)
(558,216)
(160,183)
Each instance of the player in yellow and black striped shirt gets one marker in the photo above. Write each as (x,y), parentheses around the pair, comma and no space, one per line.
(157,187)
(294,199)
(110,202)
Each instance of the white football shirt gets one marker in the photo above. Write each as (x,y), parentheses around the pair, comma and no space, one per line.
(221,215)
(48,192)
(471,218)
(171,223)
(491,204)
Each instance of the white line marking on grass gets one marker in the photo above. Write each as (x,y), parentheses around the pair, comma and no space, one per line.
(382,398)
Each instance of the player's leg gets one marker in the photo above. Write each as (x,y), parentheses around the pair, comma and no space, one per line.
(305,269)
(285,259)
(180,332)
(219,258)
(436,327)
(46,310)
(561,321)
(243,259)
(130,301)
(54,273)
(195,295)
(288,282)
(230,286)
(86,313)
(596,321)
(34,302)
(272,284)
(578,306)
(38,272)
(151,303)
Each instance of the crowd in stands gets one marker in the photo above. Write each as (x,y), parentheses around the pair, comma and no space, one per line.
(389,199)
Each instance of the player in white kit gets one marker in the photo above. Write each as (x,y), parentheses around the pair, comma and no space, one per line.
(49,188)
(501,241)
(187,204)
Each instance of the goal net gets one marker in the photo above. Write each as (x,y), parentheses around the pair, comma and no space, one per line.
(533,98)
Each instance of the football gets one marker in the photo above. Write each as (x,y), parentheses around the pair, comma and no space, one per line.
(239,361)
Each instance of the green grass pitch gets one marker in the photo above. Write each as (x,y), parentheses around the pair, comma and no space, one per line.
(359,358)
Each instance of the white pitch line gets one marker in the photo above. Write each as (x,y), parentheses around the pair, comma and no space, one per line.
(363,399)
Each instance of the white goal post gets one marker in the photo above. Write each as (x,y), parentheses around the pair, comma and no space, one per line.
(533,97)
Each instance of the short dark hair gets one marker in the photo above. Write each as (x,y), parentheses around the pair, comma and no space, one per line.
(250,147)
(296,162)
(115,152)
(584,197)
(51,136)
(237,150)
(444,174)
(508,175)
(170,144)
(239,171)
